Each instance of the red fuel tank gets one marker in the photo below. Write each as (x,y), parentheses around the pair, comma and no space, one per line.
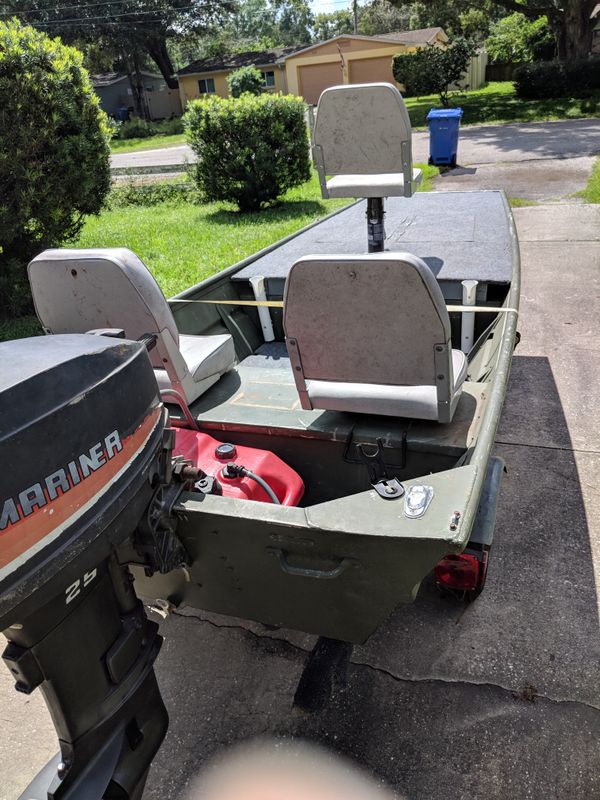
(210,455)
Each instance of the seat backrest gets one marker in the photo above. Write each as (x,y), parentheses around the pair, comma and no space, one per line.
(371,319)
(75,291)
(363,129)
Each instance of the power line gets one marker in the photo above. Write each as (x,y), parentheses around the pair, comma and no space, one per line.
(113,16)
(80,6)
(57,8)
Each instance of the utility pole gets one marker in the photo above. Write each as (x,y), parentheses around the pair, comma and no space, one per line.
(355,13)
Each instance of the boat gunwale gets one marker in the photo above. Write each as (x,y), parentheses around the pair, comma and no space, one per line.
(482,451)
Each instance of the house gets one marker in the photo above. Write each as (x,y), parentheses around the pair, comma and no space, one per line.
(352,58)
(115,92)
(209,75)
(308,70)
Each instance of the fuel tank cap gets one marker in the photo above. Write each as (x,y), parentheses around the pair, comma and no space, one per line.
(226,452)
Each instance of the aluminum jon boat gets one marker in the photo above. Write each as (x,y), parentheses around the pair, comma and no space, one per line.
(298,440)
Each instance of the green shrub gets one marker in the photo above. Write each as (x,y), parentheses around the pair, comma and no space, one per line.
(54,154)
(136,128)
(114,126)
(245,79)
(152,194)
(250,150)
(540,80)
(546,79)
(171,126)
(433,70)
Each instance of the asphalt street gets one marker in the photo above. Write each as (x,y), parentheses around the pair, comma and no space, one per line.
(479,144)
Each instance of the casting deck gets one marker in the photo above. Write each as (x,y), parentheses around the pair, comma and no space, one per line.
(460,235)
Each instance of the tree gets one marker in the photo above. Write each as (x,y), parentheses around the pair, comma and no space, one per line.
(431,13)
(380,16)
(516,39)
(133,29)
(326,26)
(294,22)
(254,20)
(432,69)
(245,80)
(272,23)
(570,21)
(475,22)
(54,153)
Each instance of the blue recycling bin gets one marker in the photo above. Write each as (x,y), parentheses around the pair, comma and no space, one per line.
(443,135)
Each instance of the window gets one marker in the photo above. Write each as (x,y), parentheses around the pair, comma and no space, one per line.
(206,85)
(269,79)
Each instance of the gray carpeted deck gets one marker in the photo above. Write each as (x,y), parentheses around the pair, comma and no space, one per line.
(460,235)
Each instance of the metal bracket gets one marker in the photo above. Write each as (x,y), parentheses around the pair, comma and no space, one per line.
(352,445)
(388,488)
(319,162)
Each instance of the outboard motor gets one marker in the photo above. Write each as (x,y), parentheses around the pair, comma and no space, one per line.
(85,453)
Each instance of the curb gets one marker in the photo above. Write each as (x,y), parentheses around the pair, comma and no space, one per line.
(150,169)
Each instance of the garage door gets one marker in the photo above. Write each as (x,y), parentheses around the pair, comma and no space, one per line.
(372,70)
(314,78)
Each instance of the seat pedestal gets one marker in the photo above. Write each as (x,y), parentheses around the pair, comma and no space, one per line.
(375,224)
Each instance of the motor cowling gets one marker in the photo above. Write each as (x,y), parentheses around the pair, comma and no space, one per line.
(83,443)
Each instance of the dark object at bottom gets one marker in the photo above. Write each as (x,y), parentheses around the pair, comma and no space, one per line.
(375,224)
(325,665)
(93,660)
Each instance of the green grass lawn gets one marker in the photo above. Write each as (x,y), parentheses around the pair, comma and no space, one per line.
(19,328)
(149,143)
(498,102)
(591,193)
(183,243)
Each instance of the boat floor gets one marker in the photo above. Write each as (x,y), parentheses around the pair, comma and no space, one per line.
(260,394)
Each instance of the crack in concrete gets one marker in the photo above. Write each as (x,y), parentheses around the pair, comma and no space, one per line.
(549,447)
(515,693)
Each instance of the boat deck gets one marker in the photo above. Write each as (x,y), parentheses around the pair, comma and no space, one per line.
(460,235)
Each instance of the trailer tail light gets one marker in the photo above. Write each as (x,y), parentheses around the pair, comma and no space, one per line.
(460,572)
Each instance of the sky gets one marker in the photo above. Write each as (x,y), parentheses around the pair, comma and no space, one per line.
(326,6)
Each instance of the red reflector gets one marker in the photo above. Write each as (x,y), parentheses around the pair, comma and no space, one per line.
(458,572)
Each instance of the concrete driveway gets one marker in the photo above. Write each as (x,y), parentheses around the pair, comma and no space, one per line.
(539,161)
(500,699)
(523,141)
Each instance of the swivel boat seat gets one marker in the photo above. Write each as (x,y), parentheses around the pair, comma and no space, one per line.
(395,359)
(75,291)
(361,137)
